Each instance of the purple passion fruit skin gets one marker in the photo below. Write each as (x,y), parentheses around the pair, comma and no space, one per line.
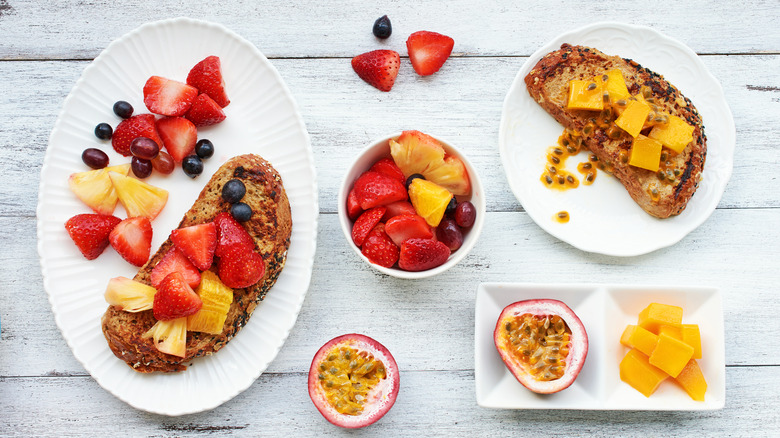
(543,343)
(365,371)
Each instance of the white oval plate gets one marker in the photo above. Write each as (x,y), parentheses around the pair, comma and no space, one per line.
(262,118)
(604,218)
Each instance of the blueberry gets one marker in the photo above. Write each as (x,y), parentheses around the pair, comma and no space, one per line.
(123,109)
(411,178)
(104,131)
(241,212)
(192,166)
(450,210)
(233,191)
(204,148)
(382,27)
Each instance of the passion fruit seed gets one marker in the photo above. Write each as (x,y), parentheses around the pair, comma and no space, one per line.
(351,376)
(540,343)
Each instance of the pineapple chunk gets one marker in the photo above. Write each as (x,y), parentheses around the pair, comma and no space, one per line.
(129,295)
(429,199)
(170,336)
(645,153)
(138,197)
(216,299)
(94,188)
(416,152)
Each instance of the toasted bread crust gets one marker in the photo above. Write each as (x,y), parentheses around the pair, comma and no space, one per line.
(547,83)
(270,227)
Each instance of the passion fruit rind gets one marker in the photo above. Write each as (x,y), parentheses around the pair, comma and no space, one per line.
(543,343)
(353,380)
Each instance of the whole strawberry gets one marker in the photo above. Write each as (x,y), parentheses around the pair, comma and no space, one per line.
(379,68)
(90,232)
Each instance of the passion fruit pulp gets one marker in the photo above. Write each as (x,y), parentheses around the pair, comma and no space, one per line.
(353,380)
(543,343)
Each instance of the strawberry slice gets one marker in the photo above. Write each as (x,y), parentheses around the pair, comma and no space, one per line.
(231,233)
(407,226)
(204,111)
(90,232)
(373,189)
(168,97)
(141,125)
(178,135)
(353,206)
(132,239)
(175,261)
(379,68)
(240,267)
(398,208)
(379,249)
(365,223)
(198,243)
(388,167)
(428,51)
(422,254)
(175,298)
(206,76)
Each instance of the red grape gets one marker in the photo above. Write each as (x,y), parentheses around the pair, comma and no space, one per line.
(465,214)
(448,233)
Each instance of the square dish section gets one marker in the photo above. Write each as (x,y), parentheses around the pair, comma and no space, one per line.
(605,310)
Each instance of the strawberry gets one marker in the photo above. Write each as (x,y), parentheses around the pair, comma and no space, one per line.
(398,208)
(379,68)
(168,97)
(388,167)
(204,111)
(175,298)
(231,233)
(353,206)
(240,267)
(132,239)
(90,232)
(175,261)
(373,189)
(422,254)
(206,76)
(198,243)
(178,135)
(379,249)
(407,226)
(365,223)
(141,125)
(428,51)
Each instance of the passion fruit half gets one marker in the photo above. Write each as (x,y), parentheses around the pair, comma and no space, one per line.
(543,343)
(353,381)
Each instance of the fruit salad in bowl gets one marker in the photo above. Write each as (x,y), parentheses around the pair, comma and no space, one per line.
(411,205)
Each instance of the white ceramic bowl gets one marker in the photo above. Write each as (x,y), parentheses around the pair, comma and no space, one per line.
(381,148)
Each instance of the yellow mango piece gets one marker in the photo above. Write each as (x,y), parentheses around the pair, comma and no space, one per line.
(639,338)
(656,314)
(675,135)
(626,336)
(692,380)
(616,86)
(671,355)
(670,330)
(645,153)
(585,95)
(636,370)
(633,117)
(692,336)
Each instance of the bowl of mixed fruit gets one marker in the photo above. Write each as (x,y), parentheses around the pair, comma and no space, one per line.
(411,205)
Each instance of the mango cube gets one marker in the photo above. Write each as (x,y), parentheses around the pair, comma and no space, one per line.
(616,85)
(585,95)
(633,117)
(675,135)
(645,153)
(692,380)
(636,370)
(670,330)
(656,314)
(692,336)
(639,338)
(671,355)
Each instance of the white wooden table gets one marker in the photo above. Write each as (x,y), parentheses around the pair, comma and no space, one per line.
(429,324)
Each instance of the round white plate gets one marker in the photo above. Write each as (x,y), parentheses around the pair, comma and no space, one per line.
(604,218)
(262,118)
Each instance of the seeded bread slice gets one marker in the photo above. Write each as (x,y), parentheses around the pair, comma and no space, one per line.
(270,227)
(548,84)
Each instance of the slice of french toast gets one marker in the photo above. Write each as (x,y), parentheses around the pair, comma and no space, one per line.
(270,227)
(661,193)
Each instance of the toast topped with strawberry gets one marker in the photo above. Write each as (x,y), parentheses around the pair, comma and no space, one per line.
(208,277)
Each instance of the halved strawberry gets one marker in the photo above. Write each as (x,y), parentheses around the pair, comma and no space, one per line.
(407,226)
(178,135)
(141,125)
(198,243)
(422,254)
(428,51)
(379,249)
(365,223)
(90,232)
(398,208)
(240,267)
(132,239)
(206,76)
(353,206)
(379,68)
(175,261)
(388,167)
(175,298)
(204,111)
(373,189)
(231,233)
(168,97)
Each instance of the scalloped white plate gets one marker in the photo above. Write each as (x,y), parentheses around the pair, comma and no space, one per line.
(604,218)
(262,118)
